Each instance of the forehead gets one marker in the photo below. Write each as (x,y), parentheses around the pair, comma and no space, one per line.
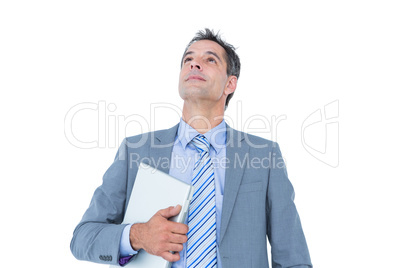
(203,46)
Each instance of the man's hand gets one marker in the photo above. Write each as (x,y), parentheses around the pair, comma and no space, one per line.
(158,236)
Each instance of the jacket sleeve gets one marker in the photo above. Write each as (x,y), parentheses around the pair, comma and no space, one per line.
(97,237)
(284,230)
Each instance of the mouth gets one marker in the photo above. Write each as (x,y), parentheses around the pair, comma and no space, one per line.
(195,77)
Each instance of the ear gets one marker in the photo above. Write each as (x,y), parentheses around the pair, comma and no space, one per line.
(231,85)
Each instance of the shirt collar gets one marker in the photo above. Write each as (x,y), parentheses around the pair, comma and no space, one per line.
(215,136)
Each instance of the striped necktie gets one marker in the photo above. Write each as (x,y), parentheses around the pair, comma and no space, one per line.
(201,244)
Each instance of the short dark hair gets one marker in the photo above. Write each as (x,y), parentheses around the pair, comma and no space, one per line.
(231,57)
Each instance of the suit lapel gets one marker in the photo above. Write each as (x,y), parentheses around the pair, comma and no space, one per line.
(161,147)
(236,151)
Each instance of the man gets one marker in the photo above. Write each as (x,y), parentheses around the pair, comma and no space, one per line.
(242,193)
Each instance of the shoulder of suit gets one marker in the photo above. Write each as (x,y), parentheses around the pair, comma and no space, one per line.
(255,140)
(147,135)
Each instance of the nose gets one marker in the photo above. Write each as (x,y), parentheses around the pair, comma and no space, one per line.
(195,65)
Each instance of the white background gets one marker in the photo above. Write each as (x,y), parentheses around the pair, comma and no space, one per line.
(297,57)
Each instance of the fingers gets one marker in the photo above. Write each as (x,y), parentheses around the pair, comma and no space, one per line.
(174,247)
(177,239)
(170,211)
(170,257)
(159,236)
(174,227)
(178,228)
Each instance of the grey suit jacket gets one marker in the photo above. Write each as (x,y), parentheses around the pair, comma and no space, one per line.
(257,202)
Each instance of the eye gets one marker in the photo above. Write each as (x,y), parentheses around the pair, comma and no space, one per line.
(187,59)
(211,60)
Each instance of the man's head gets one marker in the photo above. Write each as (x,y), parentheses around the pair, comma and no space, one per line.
(210,68)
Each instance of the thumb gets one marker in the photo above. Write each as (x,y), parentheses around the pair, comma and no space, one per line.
(170,211)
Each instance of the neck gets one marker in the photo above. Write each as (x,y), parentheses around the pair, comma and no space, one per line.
(202,118)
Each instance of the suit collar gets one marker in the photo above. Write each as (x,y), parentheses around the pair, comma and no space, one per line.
(165,137)
(160,152)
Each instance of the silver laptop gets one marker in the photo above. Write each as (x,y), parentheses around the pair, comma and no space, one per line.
(154,190)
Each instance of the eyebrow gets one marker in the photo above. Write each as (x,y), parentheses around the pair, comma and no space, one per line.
(207,52)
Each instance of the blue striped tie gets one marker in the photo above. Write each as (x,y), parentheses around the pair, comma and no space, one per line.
(201,244)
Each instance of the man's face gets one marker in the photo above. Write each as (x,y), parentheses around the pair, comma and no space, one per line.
(203,74)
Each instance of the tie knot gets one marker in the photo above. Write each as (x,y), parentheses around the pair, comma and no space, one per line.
(201,143)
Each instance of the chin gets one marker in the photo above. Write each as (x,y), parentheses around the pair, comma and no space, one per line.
(193,91)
